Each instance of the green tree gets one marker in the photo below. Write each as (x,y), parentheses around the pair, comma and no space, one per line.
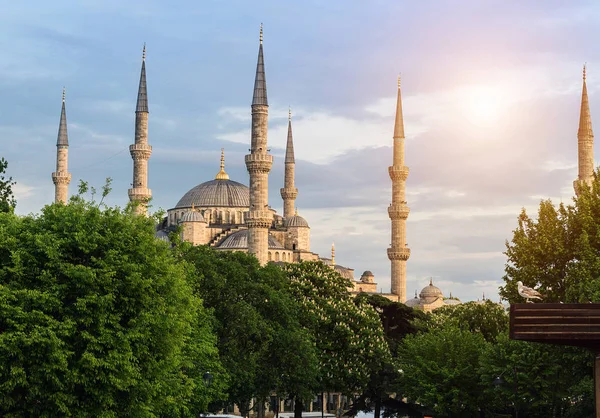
(261,342)
(440,370)
(97,318)
(540,380)
(348,333)
(487,318)
(7,199)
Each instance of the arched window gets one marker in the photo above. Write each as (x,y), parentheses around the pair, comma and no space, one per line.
(277,256)
(282,256)
(270,256)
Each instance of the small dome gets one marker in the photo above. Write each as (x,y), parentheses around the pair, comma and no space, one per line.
(216,193)
(162,235)
(192,216)
(239,240)
(295,221)
(430,293)
(414,302)
(367,277)
(344,272)
(452,302)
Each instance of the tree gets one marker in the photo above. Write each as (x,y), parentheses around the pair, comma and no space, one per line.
(261,342)
(7,199)
(488,318)
(97,318)
(348,334)
(440,370)
(398,320)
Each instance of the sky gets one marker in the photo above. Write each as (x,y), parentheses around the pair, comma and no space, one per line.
(491,95)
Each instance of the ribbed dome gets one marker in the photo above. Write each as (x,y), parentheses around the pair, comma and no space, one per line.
(344,272)
(239,240)
(219,193)
(192,216)
(367,277)
(452,302)
(295,221)
(430,293)
(414,302)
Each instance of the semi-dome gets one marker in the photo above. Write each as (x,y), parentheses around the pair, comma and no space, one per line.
(217,193)
(344,272)
(192,216)
(414,302)
(239,240)
(295,221)
(452,302)
(430,293)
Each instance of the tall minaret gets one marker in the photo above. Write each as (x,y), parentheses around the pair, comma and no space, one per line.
(259,163)
(398,210)
(140,151)
(585,141)
(61,177)
(289,192)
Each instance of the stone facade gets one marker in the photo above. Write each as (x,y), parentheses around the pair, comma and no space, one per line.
(398,253)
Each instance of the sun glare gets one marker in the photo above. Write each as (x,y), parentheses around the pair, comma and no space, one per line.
(484,104)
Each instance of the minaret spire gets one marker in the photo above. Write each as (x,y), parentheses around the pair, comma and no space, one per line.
(398,211)
(289,192)
(140,151)
(585,140)
(61,177)
(259,163)
(333,254)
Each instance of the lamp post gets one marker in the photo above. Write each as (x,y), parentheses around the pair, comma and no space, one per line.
(499,381)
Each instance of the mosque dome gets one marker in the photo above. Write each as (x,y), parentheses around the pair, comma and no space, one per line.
(430,293)
(239,240)
(452,302)
(220,192)
(367,277)
(295,221)
(192,216)
(414,302)
(346,273)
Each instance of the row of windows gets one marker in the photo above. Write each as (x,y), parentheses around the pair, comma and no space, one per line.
(212,216)
(287,257)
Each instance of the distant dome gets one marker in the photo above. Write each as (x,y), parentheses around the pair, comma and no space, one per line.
(239,240)
(430,293)
(452,302)
(162,235)
(414,302)
(216,193)
(344,272)
(191,216)
(367,277)
(296,221)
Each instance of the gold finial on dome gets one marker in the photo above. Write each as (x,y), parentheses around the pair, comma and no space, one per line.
(333,254)
(222,175)
(296,212)
(193,208)
(431,281)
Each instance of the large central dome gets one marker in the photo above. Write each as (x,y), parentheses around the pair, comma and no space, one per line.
(217,193)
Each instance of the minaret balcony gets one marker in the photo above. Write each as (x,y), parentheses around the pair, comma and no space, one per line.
(140,151)
(398,172)
(260,163)
(288,193)
(259,219)
(398,253)
(398,211)
(61,177)
(139,193)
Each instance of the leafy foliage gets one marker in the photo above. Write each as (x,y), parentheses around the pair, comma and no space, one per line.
(7,199)
(97,318)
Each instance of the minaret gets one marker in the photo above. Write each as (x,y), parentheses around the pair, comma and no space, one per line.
(585,141)
(140,194)
(333,254)
(259,163)
(398,210)
(289,192)
(61,177)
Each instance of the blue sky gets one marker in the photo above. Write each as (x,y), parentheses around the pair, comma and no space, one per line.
(491,100)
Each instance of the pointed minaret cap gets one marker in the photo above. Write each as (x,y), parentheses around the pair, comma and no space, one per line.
(333,254)
(260,82)
(222,175)
(63,137)
(142,99)
(399,125)
(289,148)
(585,119)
